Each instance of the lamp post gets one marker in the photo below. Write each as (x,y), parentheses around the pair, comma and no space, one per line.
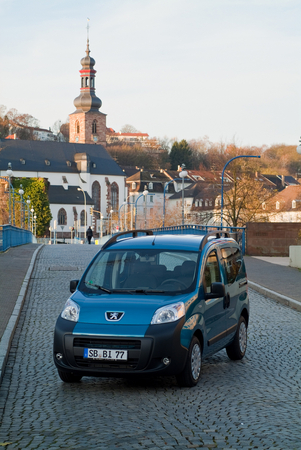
(85,203)
(222,191)
(21,192)
(101,219)
(32,211)
(9,173)
(182,175)
(299,146)
(28,215)
(35,225)
(123,204)
(144,193)
(165,187)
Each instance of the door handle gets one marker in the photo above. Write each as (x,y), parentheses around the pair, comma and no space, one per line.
(243,283)
(227,301)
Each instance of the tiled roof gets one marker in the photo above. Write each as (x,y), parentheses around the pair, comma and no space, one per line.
(70,196)
(32,156)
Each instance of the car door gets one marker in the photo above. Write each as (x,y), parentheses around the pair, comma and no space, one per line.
(235,285)
(214,312)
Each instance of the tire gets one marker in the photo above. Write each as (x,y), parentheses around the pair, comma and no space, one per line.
(68,377)
(237,349)
(192,370)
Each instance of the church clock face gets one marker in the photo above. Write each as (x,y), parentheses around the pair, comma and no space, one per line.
(95,138)
(76,139)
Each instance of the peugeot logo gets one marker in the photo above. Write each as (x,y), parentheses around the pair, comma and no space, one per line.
(114,316)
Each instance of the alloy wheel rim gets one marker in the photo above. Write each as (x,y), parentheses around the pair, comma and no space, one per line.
(242,337)
(196,361)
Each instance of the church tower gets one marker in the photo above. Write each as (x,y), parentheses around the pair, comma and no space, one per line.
(87,123)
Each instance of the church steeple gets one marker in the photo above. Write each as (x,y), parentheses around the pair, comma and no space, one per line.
(87,99)
(87,123)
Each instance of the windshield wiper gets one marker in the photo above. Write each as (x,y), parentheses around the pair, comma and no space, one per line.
(148,291)
(89,283)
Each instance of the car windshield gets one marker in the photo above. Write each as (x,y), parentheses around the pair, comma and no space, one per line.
(141,271)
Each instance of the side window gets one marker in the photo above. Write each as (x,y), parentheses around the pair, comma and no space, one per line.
(211,272)
(231,258)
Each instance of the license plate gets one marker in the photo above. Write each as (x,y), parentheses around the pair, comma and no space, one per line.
(96,353)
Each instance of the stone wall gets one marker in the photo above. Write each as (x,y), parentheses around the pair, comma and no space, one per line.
(85,121)
(271,239)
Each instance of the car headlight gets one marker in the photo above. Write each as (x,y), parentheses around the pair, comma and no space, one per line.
(169,313)
(70,311)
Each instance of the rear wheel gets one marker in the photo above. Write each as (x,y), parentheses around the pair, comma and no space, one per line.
(237,349)
(192,370)
(68,377)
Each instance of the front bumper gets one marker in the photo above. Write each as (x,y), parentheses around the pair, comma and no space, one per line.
(145,353)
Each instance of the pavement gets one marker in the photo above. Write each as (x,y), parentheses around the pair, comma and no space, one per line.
(271,277)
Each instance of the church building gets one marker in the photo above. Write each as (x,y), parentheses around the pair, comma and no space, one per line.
(80,174)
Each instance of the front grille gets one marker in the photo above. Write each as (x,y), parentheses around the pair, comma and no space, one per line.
(111,344)
(130,364)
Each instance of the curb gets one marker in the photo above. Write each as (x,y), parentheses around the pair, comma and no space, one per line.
(9,332)
(287,301)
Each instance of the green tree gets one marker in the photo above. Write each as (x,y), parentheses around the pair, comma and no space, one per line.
(180,154)
(36,190)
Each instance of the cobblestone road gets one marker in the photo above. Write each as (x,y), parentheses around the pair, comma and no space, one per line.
(250,404)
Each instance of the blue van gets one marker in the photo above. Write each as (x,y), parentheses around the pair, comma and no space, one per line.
(154,304)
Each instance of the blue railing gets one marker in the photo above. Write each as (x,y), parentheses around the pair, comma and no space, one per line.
(238,233)
(11,236)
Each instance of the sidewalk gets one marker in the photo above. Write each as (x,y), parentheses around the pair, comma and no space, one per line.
(274,278)
(16,265)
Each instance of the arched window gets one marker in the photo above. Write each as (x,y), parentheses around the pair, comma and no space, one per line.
(77,127)
(82,218)
(83,81)
(94,127)
(62,217)
(114,196)
(92,82)
(87,81)
(96,195)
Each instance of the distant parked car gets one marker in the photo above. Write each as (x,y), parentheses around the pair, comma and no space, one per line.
(154,304)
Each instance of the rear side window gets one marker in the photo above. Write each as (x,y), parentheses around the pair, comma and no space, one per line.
(231,260)
(212,272)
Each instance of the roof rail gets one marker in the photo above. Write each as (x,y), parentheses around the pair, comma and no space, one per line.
(217,235)
(133,232)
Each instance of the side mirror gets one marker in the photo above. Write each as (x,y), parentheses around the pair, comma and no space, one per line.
(217,290)
(73,285)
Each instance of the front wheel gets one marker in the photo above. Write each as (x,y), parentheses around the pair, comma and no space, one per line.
(68,377)
(192,370)
(237,349)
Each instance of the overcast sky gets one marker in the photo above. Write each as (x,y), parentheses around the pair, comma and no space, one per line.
(226,69)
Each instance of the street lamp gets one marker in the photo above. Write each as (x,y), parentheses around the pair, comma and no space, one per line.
(165,187)
(85,203)
(182,175)
(299,146)
(28,216)
(101,219)
(123,204)
(32,211)
(21,192)
(35,225)
(9,173)
(222,192)
(144,193)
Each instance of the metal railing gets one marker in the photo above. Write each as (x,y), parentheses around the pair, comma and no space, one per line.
(11,236)
(237,233)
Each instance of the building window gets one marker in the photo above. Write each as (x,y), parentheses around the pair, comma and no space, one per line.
(87,81)
(94,127)
(83,81)
(96,196)
(62,217)
(92,82)
(151,199)
(114,196)
(77,127)
(82,218)
(277,205)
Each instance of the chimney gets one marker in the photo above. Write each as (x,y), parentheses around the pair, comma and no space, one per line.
(282,180)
